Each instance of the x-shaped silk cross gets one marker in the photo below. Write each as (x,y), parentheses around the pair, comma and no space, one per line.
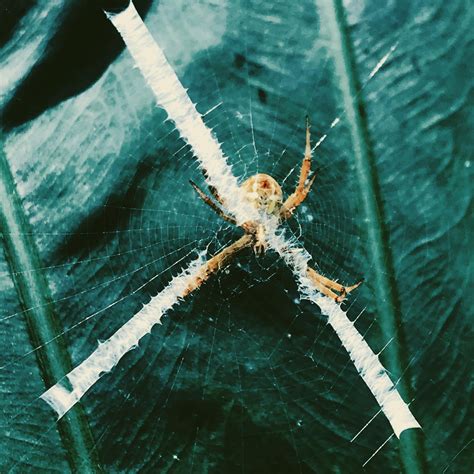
(173,98)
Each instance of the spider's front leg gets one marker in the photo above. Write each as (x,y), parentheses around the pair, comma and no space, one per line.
(329,287)
(302,189)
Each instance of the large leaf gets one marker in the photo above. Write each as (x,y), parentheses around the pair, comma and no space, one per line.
(243,376)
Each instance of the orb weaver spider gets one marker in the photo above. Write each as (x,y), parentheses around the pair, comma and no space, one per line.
(264,193)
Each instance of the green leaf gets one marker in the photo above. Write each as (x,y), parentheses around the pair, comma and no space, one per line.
(42,323)
(242,377)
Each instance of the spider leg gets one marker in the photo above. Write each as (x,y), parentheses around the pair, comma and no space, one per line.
(213,190)
(214,264)
(212,204)
(306,165)
(302,188)
(329,287)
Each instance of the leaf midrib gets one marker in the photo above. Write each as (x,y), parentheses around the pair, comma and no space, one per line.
(383,275)
(43,324)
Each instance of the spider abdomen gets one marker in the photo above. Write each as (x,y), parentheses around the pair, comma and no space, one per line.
(263,193)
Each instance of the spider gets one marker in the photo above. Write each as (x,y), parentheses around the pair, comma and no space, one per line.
(265,194)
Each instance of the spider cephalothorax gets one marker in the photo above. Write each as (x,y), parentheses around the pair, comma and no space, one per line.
(265,194)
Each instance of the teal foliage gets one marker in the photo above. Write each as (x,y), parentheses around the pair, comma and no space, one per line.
(97,215)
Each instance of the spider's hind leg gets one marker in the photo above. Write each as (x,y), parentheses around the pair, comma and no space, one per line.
(329,287)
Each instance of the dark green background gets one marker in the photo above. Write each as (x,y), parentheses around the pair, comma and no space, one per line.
(242,377)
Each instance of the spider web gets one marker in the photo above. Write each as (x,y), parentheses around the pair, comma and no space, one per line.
(243,370)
